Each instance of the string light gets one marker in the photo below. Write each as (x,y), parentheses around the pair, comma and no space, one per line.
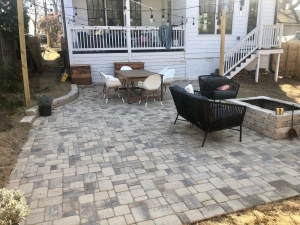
(163,15)
(242,2)
(151,16)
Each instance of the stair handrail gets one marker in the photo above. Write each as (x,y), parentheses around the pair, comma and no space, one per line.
(251,40)
(263,36)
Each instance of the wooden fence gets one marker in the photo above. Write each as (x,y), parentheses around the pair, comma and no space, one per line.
(289,60)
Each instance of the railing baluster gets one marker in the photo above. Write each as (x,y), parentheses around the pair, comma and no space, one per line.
(97,38)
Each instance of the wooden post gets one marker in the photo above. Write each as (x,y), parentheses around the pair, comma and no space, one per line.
(222,46)
(257,68)
(277,68)
(23,52)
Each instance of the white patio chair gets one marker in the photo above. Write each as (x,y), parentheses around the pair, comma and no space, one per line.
(151,84)
(103,78)
(164,70)
(168,78)
(111,83)
(126,68)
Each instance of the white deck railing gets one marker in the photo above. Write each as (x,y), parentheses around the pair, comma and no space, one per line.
(115,38)
(264,36)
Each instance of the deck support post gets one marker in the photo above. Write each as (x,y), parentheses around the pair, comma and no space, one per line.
(128,31)
(257,68)
(23,52)
(222,44)
(277,68)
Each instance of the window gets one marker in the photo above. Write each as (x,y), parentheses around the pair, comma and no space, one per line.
(210,16)
(95,12)
(113,15)
(252,17)
(135,13)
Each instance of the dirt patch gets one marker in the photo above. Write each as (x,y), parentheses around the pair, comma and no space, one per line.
(13,134)
(287,88)
(285,212)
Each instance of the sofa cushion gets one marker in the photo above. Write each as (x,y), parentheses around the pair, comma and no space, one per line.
(189,88)
(179,89)
(223,87)
(217,81)
(224,94)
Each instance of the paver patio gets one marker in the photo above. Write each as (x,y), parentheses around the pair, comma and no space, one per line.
(115,163)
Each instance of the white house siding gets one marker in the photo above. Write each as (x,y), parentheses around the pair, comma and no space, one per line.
(154,61)
(82,17)
(290,29)
(267,15)
(179,11)
(203,51)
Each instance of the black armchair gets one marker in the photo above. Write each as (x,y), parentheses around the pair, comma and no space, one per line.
(207,115)
(209,83)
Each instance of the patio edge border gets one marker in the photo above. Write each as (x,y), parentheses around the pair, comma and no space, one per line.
(33,113)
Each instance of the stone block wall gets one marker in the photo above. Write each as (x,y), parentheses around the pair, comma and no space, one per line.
(266,122)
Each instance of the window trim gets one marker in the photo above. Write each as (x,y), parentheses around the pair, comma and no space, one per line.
(216,12)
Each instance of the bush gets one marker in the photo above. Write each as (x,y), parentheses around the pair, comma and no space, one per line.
(13,207)
(44,100)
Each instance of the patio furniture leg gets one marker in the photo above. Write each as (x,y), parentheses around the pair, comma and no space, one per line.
(141,94)
(161,89)
(241,133)
(120,95)
(205,135)
(147,99)
(127,90)
(158,97)
(176,118)
(107,95)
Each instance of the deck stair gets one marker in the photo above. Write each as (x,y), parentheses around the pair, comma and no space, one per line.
(262,37)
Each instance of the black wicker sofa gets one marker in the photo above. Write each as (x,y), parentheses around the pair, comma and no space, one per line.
(207,115)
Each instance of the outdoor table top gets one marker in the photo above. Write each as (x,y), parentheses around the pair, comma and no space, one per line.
(134,73)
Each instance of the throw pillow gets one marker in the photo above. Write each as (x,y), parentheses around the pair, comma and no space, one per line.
(189,89)
(224,87)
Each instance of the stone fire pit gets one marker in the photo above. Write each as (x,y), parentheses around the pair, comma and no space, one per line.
(264,120)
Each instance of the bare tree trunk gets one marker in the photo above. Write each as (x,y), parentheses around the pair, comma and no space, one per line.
(47,26)
(35,18)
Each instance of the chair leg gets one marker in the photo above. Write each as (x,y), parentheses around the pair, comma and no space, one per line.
(159,98)
(120,96)
(104,90)
(147,99)
(176,118)
(107,94)
(141,94)
(241,133)
(205,135)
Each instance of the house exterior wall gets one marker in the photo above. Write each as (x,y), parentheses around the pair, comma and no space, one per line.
(154,61)
(290,29)
(202,51)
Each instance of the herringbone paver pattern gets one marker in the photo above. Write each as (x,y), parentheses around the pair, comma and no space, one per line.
(115,163)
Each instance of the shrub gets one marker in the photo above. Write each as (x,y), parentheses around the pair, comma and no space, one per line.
(44,100)
(13,207)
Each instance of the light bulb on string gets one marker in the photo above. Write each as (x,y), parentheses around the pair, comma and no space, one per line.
(151,16)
